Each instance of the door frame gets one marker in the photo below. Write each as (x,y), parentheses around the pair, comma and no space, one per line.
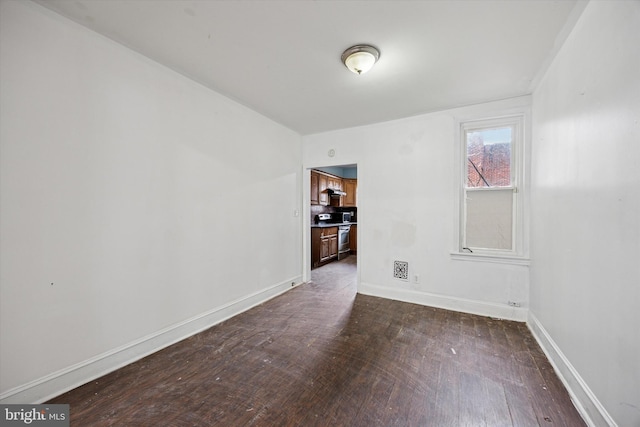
(306,220)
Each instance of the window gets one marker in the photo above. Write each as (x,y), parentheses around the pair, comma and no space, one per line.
(491,197)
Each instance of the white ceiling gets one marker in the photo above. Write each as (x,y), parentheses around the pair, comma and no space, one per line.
(282,58)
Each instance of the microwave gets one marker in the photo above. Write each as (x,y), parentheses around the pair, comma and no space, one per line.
(342,217)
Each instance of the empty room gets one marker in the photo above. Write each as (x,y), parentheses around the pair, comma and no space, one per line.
(356,213)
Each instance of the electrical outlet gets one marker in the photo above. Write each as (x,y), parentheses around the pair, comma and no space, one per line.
(416,278)
(513,303)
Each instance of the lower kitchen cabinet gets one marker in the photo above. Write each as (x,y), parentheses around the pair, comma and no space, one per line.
(324,245)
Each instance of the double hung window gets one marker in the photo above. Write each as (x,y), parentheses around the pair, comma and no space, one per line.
(491,201)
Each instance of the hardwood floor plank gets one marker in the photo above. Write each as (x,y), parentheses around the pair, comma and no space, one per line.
(495,404)
(447,409)
(520,408)
(472,400)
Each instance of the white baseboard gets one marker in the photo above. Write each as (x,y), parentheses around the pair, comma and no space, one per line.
(502,311)
(59,382)
(589,407)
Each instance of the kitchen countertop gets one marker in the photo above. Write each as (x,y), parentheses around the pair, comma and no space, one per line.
(327,225)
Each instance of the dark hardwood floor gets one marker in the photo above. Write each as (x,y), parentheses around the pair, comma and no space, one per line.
(320,355)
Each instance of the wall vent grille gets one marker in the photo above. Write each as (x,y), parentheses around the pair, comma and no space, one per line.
(401,270)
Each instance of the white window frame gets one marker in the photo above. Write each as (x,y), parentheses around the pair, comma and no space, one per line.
(519,248)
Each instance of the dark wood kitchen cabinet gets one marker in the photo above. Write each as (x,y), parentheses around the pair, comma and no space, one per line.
(315,247)
(334,182)
(320,183)
(333,246)
(323,184)
(314,189)
(324,245)
(350,186)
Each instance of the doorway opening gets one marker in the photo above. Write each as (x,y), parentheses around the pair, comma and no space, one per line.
(332,221)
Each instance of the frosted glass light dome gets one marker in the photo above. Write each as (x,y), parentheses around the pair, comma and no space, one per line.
(360,58)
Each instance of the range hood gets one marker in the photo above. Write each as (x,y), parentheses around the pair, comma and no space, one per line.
(336,193)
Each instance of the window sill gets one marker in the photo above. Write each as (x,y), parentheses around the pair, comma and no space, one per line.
(499,259)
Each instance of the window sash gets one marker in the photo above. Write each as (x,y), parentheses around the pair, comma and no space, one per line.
(512,150)
(489,220)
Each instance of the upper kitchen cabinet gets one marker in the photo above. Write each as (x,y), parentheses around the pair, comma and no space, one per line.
(315,200)
(350,186)
(334,183)
(322,182)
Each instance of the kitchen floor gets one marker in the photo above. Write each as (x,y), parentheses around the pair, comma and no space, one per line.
(340,274)
(322,355)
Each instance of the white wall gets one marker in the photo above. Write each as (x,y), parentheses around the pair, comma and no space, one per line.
(131,200)
(585,268)
(407,191)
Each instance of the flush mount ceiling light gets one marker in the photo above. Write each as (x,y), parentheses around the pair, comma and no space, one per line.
(360,58)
